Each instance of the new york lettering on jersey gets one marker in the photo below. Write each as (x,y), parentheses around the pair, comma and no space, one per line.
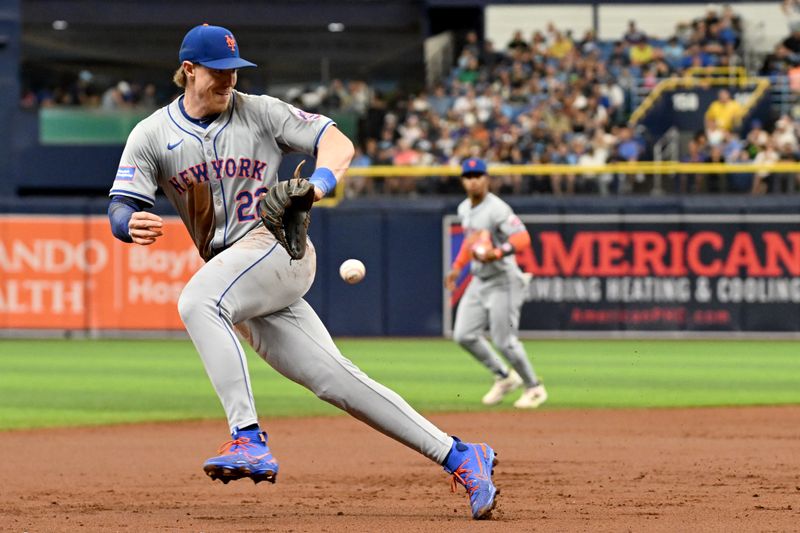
(243,167)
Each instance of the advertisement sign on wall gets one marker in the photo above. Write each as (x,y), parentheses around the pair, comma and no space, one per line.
(660,273)
(62,272)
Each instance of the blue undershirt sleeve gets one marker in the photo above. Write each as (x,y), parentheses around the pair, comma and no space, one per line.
(120,210)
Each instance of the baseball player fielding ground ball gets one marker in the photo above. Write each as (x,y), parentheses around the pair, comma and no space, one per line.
(494,297)
(215,152)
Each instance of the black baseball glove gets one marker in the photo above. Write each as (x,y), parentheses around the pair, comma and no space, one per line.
(286,212)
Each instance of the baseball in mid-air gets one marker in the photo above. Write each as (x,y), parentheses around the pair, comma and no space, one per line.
(352,271)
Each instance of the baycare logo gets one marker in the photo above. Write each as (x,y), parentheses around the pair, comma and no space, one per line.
(678,253)
(53,256)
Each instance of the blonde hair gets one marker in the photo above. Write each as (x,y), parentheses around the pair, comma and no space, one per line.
(179,78)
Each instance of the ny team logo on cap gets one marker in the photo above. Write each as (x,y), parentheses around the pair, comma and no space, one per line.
(473,165)
(213,47)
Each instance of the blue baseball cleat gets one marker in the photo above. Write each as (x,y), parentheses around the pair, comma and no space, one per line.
(247,455)
(471,466)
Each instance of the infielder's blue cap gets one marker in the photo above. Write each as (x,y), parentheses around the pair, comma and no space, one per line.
(473,165)
(212,47)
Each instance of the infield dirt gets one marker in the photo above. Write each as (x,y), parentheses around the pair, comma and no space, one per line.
(727,469)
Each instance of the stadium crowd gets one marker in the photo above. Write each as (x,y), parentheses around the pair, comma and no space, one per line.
(551,97)
(557,99)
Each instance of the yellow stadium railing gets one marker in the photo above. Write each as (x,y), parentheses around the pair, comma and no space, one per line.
(704,77)
(639,167)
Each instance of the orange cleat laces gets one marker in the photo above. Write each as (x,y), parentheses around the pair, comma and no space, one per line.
(229,448)
(464,477)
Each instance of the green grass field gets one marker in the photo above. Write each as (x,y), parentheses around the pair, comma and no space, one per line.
(83,382)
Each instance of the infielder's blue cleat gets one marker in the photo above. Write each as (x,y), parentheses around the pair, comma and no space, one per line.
(247,455)
(471,466)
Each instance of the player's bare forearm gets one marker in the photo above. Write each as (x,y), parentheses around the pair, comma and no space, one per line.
(145,227)
(334,152)
(450,279)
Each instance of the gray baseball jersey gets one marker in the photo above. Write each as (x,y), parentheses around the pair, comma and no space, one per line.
(496,217)
(212,177)
(495,295)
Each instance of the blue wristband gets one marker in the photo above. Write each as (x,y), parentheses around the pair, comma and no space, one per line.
(324,179)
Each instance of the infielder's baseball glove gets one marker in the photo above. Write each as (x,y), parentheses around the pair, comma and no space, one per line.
(286,212)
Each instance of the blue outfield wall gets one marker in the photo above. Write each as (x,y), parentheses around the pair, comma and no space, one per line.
(400,242)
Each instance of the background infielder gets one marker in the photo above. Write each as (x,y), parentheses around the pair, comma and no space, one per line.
(494,297)
(214,151)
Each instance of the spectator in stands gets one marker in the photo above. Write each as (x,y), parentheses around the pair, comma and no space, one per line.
(471,44)
(732,148)
(562,183)
(633,34)
(337,96)
(489,57)
(590,157)
(618,58)
(784,134)
(149,97)
(776,63)
(562,45)
(404,156)
(517,42)
(386,147)
(785,182)
(629,149)
(673,52)
(117,97)
(711,17)
(729,34)
(740,182)
(715,183)
(469,71)
(736,21)
(375,116)
(439,101)
(692,182)
(361,96)
(411,130)
(715,44)
(364,157)
(640,52)
(589,45)
(763,180)
(725,111)
(612,98)
(660,65)
(699,56)
(538,45)
(714,135)
(684,32)
(756,138)
(509,154)
(311,98)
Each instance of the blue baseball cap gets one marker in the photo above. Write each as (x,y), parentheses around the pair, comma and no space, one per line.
(212,47)
(473,165)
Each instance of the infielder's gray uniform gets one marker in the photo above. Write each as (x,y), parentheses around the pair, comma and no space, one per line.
(213,177)
(496,293)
